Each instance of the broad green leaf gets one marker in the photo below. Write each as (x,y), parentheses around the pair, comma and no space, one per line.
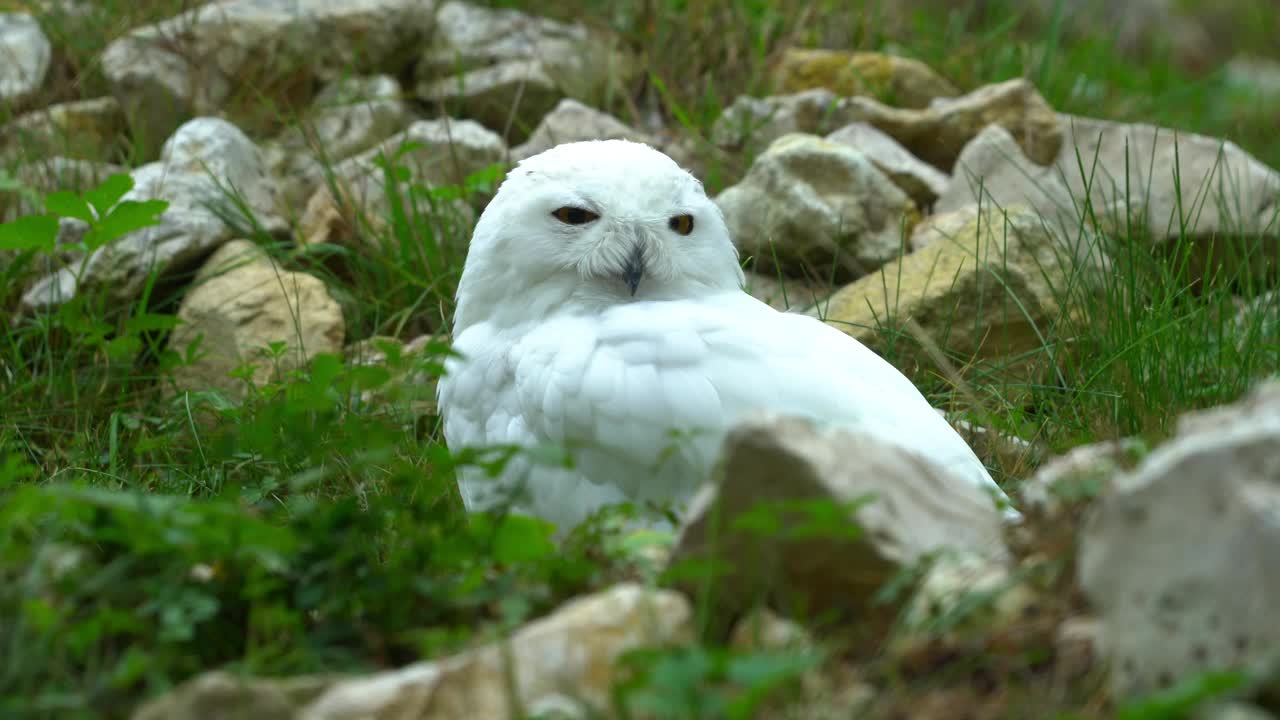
(150,322)
(68,204)
(109,192)
(123,219)
(33,232)
(520,538)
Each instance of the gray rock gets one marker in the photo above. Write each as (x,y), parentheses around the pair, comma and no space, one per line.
(1077,476)
(811,202)
(571,121)
(921,181)
(751,123)
(1182,559)
(240,303)
(992,171)
(821,520)
(203,161)
(193,63)
(50,174)
(25,55)
(346,117)
(1257,75)
(507,69)
(937,134)
(1224,191)
(570,652)
(220,694)
(82,128)
(443,152)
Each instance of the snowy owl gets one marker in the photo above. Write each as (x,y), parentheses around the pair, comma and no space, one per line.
(600,310)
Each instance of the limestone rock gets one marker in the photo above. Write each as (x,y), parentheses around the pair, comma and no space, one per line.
(1226,193)
(195,62)
(1259,76)
(961,292)
(918,179)
(82,128)
(811,202)
(751,122)
(25,55)
(993,172)
(821,520)
(1182,559)
(203,160)
(570,652)
(571,121)
(938,133)
(507,69)
(434,153)
(50,174)
(239,304)
(787,293)
(898,81)
(1077,476)
(346,117)
(219,694)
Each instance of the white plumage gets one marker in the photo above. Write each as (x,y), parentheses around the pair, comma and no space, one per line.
(587,318)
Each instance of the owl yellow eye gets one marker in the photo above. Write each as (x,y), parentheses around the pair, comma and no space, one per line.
(682,224)
(574,215)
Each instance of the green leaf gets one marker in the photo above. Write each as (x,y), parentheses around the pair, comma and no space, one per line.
(123,219)
(520,539)
(109,192)
(150,322)
(68,204)
(33,232)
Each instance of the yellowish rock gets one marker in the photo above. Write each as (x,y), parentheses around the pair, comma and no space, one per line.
(899,81)
(240,304)
(990,290)
(937,134)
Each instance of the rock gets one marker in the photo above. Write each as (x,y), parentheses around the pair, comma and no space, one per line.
(220,694)
(766,630)
(938,133)
(507,69)
(918,179)
(979,592)
(435,153)
(750,123)
(787,293)
(898,81)
(1225,192)
(853,513)
(992,172)
(1259,76)
(572,651)
(1182,559)
(203,160)
(50,174)
(1077,477)
(347,117)
(240,303)
(25,55)
(83,128)
(571,121)
(1257,322)
(961,293)
(810,202)
(195,62)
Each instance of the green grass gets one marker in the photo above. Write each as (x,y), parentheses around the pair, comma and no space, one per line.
(147,535)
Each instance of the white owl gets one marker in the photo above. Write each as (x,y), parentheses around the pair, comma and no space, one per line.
(601,310)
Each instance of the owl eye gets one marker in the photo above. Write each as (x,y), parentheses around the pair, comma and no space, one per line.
(574,215)
(682,224)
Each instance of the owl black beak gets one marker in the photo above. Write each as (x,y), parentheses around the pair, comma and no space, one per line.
(634,269)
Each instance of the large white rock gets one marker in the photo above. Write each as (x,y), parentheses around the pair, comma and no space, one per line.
(203,161)
(25,54)
(923,182)
(810,202)
(195,62)
(1182,558)
(568,654)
